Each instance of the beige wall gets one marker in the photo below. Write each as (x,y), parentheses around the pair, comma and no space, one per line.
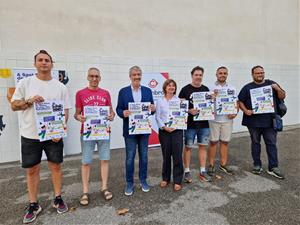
(264,31)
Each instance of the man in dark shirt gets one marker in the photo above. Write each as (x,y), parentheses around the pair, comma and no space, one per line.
(261,124)
(195,128)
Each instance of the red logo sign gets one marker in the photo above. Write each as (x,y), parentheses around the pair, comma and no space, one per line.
(153,83)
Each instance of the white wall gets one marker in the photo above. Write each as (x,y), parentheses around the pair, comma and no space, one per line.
(159,36)
(264,31)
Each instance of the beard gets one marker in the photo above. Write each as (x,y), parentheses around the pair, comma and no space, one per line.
(259,80)
(222,79)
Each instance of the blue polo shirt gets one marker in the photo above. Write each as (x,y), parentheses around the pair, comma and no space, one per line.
(264,120)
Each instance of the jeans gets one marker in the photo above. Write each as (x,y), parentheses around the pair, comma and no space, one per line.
(88,147)
(270,138)
(141,141)
(202,136)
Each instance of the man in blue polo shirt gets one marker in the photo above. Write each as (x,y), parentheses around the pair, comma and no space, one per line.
(261,124)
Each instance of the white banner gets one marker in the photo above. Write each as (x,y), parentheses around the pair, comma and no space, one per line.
(155,82)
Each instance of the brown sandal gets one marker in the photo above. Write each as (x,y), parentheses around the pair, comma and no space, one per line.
(106,194)
(84,199)
(177,187)
(164,184)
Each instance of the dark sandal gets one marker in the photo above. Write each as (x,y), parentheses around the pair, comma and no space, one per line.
(84,199)
(106,194)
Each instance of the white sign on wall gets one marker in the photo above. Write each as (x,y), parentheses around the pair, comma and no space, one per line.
(22,73)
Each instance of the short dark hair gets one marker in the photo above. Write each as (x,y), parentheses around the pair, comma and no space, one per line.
(197,68)
(222,67)
(166,83)
(255,67)
(43,52)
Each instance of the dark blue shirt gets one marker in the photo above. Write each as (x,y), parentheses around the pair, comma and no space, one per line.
(264,120)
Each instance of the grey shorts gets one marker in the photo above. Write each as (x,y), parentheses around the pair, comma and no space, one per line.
(220,131)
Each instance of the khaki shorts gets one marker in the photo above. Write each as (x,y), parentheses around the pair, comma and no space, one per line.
(220,131)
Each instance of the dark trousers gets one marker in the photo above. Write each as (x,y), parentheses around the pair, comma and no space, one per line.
(270,138)
(171,146)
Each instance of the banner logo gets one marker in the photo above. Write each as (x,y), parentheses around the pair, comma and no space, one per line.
(153,83)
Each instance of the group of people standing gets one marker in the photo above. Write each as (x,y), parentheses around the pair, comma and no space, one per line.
(176,145)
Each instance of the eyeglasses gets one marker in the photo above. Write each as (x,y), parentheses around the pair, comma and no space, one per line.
(94,76)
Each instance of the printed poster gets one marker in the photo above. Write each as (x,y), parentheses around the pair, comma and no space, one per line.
(50,119)
(96,126)
(262,100)
(204,103)
(139,119)
(226,101)
(178,114)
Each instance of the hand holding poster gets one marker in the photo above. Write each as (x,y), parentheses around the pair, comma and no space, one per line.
(204,103)
(50,120)
(178,114)
(226,101)
(96,125)
(139,119)
(262,100)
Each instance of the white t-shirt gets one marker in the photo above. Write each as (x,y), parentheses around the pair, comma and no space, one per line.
(49,90)
(217,85)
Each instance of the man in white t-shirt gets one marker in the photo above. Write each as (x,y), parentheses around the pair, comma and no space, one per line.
(32,90)
(220,128)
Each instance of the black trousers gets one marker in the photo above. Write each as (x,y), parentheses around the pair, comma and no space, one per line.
(171,146)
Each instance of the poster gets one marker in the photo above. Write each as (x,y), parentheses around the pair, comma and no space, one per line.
(50,120)
(96,126)
(178,114)
(139,119)
(226,101)
(262,100)
(204,103)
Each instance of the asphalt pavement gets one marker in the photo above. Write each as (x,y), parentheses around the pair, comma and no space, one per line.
(241,199)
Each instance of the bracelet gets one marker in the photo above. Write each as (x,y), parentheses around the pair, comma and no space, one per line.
(28,102)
